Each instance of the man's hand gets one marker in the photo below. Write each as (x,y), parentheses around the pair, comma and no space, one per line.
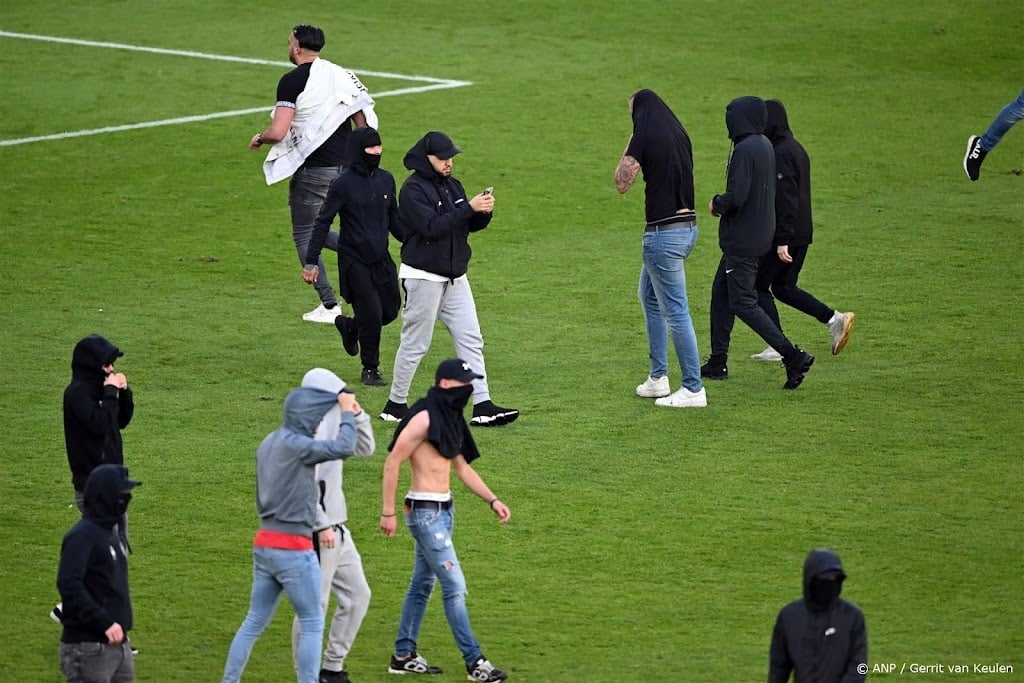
(255,142)
(115,634)
(501,510)
(388,524)
(326,537)
(711,208)
(348,403)
(482,203)
(116,379)
(309,274)
(783,251)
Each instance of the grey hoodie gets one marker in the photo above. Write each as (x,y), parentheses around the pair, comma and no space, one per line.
(286,490)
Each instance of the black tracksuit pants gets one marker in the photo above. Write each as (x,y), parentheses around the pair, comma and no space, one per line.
(733,295)
(781,278)
(375,298)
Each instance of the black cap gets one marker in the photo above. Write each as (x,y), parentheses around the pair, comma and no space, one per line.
(440,145)
(457,369)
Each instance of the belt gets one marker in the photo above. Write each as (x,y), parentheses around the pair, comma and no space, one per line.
(690,223)
(412,504)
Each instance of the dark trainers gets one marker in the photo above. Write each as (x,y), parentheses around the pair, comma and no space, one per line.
(712,370)
(349,334)
(973,157)
(797,364)
(483,670)
(372,378)
(486,414)
(413,664)
(333,676)
(393,412)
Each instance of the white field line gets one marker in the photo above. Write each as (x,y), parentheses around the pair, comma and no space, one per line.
(435,84)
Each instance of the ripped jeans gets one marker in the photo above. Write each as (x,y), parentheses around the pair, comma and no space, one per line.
(435,559)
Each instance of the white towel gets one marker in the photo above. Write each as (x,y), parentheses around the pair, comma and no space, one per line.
(332,94)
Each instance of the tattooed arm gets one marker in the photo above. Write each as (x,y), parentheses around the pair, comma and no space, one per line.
(625,173)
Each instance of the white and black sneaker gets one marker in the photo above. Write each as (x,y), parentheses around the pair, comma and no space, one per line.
(57,613)
(483,670)
(394,412)
(413,664)
(973,157)
(486,414)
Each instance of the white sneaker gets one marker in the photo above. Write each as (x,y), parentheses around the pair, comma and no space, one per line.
(653,388)
(768,355)
(840,327)
(684,398)
(321,314)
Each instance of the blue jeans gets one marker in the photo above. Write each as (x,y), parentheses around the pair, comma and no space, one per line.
(435,560)
(297,573)
(307,190)
(662,294)
(1010,114)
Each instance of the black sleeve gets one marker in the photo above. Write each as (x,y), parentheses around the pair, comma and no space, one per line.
(76,552)
(779,663)
(477,221)
(125,407)
(331,207)
(858,652)
(635,149)
(291,86)
(99,418)
(419,215)
(787,198)
(394,223)
(737,184)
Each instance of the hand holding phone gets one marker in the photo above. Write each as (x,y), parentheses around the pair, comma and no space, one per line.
(489,190)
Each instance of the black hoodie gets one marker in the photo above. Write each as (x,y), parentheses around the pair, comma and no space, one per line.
(820,641)
(93,574)
(662,147)
(363,196)
(94,414)
(436,218)
(793,224)
(747,207)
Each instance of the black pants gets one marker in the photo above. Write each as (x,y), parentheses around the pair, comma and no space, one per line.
(733,295)
(781,278)
(375,298)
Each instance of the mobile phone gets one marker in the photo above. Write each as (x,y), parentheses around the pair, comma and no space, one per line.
(489,190)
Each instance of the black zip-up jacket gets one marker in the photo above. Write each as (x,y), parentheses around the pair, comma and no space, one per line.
(436,218)
(793,224)
(747,207)
(94,414)
(93,574)
(364,199)
(819,643)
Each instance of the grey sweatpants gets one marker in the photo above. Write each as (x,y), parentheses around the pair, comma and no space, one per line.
(425,303)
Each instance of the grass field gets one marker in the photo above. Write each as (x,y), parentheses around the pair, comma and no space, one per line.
(645,544)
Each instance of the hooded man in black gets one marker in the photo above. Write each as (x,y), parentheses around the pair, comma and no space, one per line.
(363,196)
(437,218)
(747,224)
(794,229)
(820,638)
(93,582)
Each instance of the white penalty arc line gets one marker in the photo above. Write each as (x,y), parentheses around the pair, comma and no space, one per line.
(435,84)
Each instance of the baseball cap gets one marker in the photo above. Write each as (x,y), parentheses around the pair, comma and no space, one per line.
(457,369)
(440,145)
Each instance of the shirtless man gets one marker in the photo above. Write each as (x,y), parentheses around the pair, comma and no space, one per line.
(434,437)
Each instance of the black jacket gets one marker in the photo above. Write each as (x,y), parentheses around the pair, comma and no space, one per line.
(662,147)
(819,643)
(793,225)
(93,574)
(436,218)
(747,207)
(364,199)
(94,414)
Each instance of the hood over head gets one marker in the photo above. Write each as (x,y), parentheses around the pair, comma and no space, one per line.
(321,378)
(357,141)
(305,407)
(434,142)
(819,565)
(90,355)
(104,494)
(745,116)
(778,121)
(651,115)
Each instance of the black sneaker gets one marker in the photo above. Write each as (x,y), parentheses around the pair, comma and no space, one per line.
(797,365)
(349,334)
(713,370)
(372,378)
(486,414)
(973,157)
(483,670)
(393,412)
(334,676)
(413,664)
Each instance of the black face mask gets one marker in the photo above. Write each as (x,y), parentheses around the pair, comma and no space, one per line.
(824,592)
(456,397)
(372,161)
(122,502)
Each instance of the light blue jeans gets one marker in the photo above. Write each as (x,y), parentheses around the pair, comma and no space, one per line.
(1010,114)
(297,573)
(662,294)
(435,560)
